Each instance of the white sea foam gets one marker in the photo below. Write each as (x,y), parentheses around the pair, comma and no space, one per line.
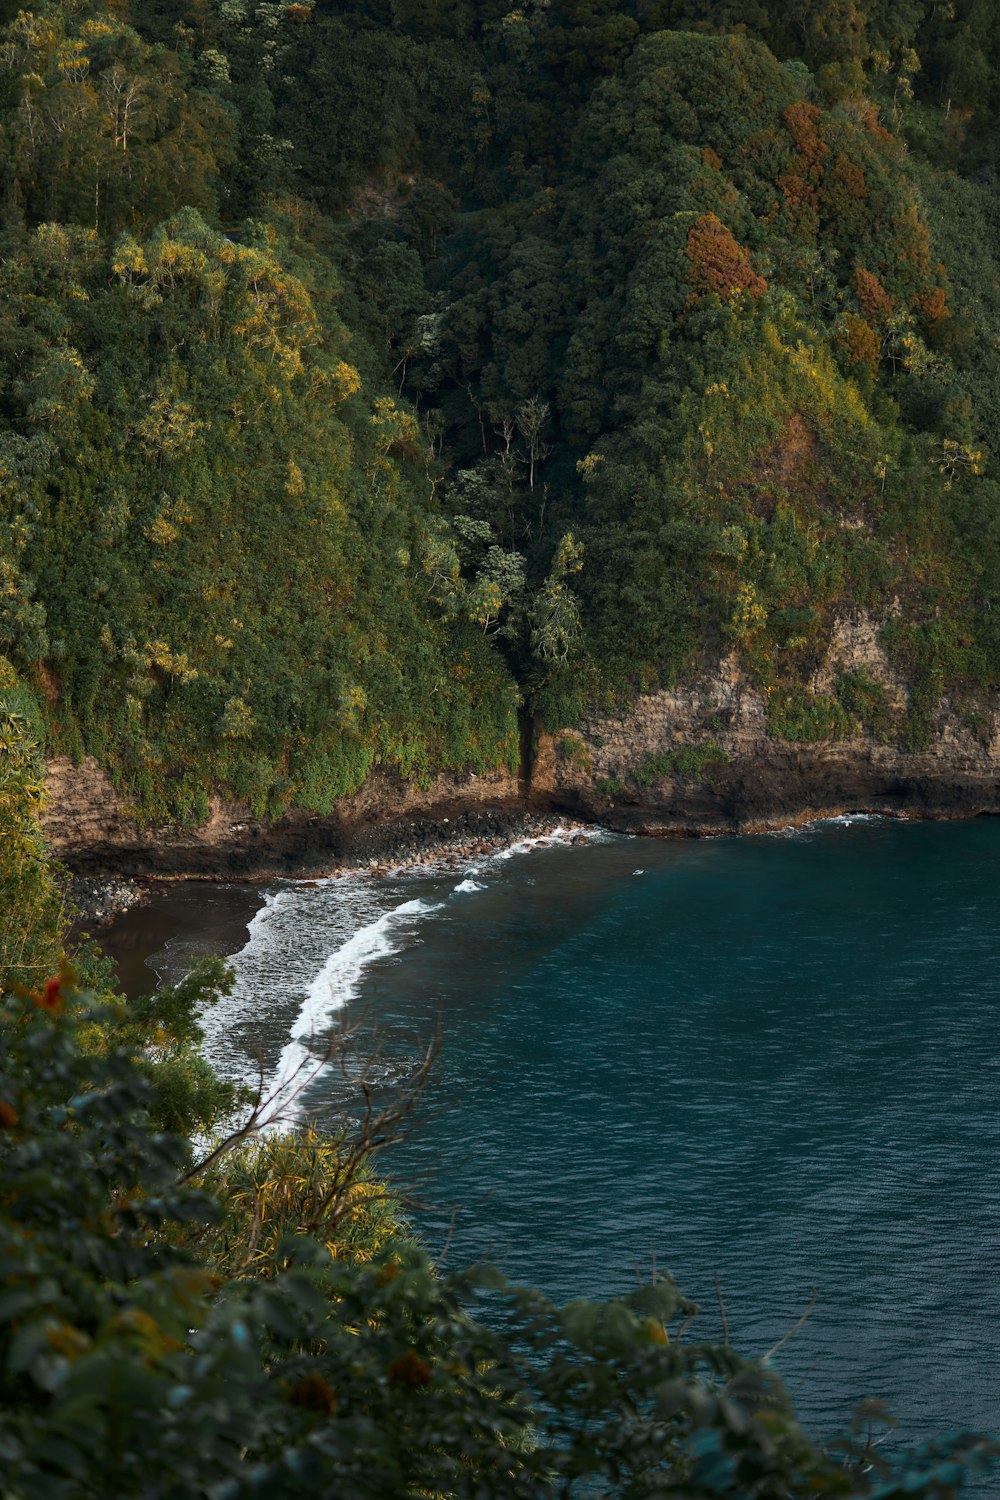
(335,984)
(229,1009)
(305,958)
(288,942)
(562,835)
(841,820)
(272,900)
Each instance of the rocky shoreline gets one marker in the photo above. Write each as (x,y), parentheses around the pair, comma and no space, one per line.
(412,847)
(108,881)
(698,760)
(392,849)
(98,900)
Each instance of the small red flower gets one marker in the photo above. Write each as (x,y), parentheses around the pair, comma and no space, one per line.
(51,995)
(8,1115)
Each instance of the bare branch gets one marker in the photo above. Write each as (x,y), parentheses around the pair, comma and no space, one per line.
(722,1311)
(793,1330)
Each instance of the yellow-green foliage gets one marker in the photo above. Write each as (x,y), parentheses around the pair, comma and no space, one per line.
(794,713)
(302,1182)
(784,467)
(787,416)
(688,762)
(680,353)
(784,424)
(227,543)
(32,915)
(575,752)
(98,126)
(165,1029)
(867,700)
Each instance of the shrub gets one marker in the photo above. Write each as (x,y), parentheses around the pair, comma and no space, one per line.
(575,752)
(129,1367)
(793,713)
(867,700)
(689,763)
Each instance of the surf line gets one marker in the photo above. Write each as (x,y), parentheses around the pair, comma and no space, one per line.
(340,977)
(335,984)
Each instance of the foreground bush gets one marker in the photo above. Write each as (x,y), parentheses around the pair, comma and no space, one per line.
(130,1368)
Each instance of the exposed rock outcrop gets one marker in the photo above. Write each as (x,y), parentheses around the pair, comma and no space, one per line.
(100,899)
(751,781)
(91,829)
(759,781)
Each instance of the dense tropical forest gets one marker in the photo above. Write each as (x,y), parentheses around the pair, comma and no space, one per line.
(372,373)
(378,377)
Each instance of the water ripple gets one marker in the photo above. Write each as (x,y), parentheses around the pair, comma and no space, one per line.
(772,1058)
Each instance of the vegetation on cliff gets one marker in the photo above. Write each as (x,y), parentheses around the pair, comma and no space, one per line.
(218,550)
(368,370)
(32,917)
(371,372)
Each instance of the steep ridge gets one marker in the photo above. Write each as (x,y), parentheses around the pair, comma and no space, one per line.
(640,432)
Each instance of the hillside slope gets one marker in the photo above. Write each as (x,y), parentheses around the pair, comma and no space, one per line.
(384,387)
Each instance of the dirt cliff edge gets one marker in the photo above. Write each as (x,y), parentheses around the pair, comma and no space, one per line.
(695,760)
(703,759)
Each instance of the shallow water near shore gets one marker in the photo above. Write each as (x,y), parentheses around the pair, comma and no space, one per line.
(775,1058)
(180,922)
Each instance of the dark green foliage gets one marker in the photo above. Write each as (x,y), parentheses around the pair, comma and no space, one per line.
(128,1368)
(867,701)
(795,714)
(388,365)
(934,654)
(574,751)
(164,1030)
(228,539)
(33,915)
(730,307)
(370,373)
(99,128)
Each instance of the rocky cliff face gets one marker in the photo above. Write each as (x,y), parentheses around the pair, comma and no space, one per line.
(640,770)
(90,828)
(644,771)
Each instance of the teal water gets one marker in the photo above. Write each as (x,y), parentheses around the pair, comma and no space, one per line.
(775,1059)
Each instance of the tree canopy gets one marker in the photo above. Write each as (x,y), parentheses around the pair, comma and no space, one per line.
(328,335)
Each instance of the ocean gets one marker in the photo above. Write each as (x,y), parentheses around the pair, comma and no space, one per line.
(770,1063)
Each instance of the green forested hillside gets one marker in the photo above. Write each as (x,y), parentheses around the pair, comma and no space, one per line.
(225,550)
(375,374)
(368,370)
